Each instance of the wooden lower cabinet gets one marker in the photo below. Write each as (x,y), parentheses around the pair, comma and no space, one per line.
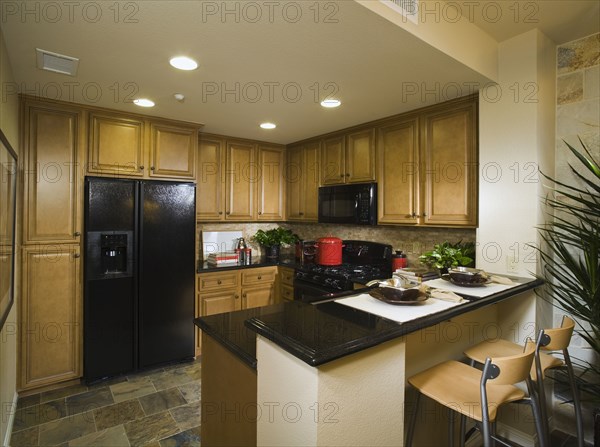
(258,296)
(286,284)
(50,315)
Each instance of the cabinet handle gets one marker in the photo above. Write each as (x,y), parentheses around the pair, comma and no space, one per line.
(413,215)
(348,175)
(342,175)
(141,168)
(237,297)
(424,214)
(76,255)
(228,213)
(220,213)
(260,213)
(219,281)
(260,277)
(152,168)
(244,295)
(77,234)
(301,214)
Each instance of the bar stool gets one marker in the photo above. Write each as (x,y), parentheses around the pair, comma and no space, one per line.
(555,339)
(475,393)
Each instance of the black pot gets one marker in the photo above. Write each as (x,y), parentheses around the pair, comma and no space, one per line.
(272,253)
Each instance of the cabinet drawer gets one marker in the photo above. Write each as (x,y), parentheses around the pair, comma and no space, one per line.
(258,275)
(286,276)
(213,281)
(287,293)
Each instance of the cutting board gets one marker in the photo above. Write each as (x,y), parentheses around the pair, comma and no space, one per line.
(219,241)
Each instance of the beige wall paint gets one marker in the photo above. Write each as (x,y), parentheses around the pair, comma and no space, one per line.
(9,113)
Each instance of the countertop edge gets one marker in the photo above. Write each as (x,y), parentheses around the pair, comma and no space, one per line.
(232,347)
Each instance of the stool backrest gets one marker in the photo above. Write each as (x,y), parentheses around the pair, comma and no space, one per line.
(560,337)
(514,368)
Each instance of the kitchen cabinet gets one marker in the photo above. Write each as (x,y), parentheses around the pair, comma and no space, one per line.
(349,158)
(302,175)
(240,180)
(50,315)
(286,284)
(125,145)
(53,142)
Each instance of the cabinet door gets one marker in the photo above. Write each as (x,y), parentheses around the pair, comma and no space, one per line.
(333,161)
(241,174)
(398,173)
(219,302)
(311,181)
(173,151)
(258,296)
(450,162)
(294,174)
(271,186)
(50,330)
(116,145)
(51,184)
(360,157)
(210,198)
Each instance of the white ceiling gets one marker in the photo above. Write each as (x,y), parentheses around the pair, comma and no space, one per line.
(275,68)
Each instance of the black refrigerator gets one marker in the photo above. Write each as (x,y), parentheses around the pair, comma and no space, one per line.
(139,275)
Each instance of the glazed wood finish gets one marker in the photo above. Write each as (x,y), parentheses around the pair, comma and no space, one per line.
(360,156)
(241,175)
(271,184)
(333,161)
(286,284)
(173,151)
(50,316)
(302,176)
(210,199)
(52,141)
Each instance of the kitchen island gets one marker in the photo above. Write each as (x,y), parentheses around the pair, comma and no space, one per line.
(333,374)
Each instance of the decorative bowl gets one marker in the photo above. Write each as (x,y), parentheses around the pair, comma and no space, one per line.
(467,275)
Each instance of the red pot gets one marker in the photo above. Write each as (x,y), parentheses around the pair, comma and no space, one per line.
(329,250)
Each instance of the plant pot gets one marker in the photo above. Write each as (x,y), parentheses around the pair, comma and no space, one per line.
(443,271)
(271,253)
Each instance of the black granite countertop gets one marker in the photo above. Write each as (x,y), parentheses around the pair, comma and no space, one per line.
(259,262)
(322,332)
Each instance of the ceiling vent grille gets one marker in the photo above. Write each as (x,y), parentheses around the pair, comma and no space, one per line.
(58,63)
(409,9)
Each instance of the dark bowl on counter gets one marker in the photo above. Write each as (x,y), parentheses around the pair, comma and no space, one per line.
(467,275)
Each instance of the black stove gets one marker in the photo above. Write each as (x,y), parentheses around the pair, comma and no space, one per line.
(363,261)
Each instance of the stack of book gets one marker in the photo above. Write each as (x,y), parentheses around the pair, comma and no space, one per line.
(222,258)
(416,274)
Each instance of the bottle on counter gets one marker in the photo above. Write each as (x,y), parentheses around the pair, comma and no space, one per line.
(399,260)
(247,256)
(241,251)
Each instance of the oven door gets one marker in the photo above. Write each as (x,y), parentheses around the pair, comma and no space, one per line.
(308,292)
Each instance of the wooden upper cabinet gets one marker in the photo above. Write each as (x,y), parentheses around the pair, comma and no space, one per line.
(449,155)
(116,145)
(311,181)
(398,176)
(302,175)
(52,140)
(50,315)
(360,156)
(173,151)
(333,161)
(210,195)
(241,175)
(293,174)
(271,187)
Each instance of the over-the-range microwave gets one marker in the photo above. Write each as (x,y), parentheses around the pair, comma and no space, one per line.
(348,204)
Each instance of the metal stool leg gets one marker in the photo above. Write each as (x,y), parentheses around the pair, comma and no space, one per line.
(537,416)
(541,395)
(463,428)
(450,427)
(576,402)
(413,422)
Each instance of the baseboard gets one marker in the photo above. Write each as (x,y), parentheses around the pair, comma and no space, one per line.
(11,421)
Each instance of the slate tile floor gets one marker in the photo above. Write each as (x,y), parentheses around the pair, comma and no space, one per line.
(158,408)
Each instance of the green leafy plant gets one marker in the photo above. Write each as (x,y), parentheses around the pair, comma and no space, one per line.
(446,255)
(570,256)
(275,236)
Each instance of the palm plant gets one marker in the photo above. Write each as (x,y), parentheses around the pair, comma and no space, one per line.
(570,255)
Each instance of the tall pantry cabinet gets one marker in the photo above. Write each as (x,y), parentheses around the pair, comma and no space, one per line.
(50,308)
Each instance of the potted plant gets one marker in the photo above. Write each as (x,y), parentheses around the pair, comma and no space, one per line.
(570,258)
(447,255)
(272,240)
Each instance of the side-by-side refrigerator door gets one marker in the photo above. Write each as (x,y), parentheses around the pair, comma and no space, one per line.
(109,278)
(167,272)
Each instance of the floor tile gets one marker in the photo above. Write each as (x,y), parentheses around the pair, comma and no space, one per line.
(151,428)
(39,414)
(28,401)
(132,389)
(117,414)
(63,392)
(107,382)
(191,391)
(194,371)
(172,378)
(188,438)
(25,438)
(90,400)
(161,401)
(187,416)
(114,437)
(67,428)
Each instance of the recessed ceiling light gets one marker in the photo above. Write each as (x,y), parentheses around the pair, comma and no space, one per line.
(331,103)
(184,63)
(179,97)
(268,126)
(143,102)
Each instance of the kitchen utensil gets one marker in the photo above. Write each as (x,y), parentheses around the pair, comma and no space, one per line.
(329,250)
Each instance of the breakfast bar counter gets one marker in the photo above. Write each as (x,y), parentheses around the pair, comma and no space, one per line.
(333,373)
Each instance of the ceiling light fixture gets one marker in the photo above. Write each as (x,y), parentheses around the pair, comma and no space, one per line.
(183,63)
(143,102)
(331,103)
(268,126)
(179,97)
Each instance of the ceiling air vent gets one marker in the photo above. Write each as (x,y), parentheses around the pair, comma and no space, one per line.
(407,8)
(58,63)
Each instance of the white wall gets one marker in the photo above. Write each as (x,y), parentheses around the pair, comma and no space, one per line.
(8,345)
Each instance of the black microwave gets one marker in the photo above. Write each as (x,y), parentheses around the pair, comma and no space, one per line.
(348,204)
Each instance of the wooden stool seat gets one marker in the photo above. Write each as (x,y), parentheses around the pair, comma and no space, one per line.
(456,386)
(503,348)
